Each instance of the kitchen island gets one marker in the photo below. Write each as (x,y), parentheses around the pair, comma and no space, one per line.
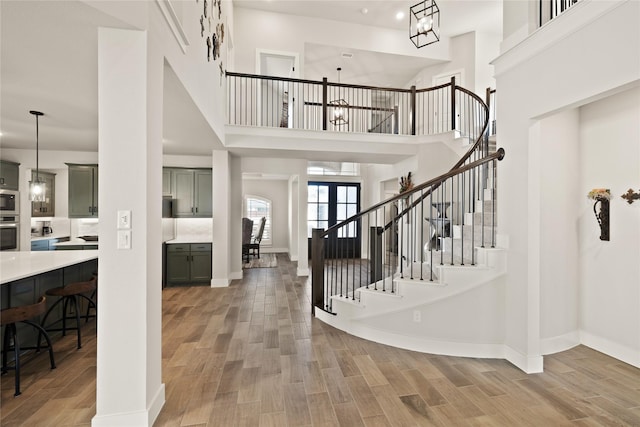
(26,276)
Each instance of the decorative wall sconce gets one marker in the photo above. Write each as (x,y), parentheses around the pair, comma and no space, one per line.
(601,197)
(631,196)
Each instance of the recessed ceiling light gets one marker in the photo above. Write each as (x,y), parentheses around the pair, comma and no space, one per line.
(364,10)
(400,15)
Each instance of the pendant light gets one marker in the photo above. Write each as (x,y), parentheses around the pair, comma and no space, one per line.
(424,23)
(37,187)
(340,107)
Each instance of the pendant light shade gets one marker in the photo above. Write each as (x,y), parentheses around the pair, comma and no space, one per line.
(37,187)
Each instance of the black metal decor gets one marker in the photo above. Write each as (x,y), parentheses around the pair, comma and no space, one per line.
(602,216)
(630,196)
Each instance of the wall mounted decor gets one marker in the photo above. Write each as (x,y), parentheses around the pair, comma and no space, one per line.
(214,30)
(601,197)
(631,196)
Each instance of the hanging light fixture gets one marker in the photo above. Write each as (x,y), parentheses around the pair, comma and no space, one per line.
(424,23)
(339,108)
(36,188)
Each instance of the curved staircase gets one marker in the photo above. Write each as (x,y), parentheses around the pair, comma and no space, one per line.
(432,280)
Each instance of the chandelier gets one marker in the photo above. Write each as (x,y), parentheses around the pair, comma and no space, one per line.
(424,23)
(340,107)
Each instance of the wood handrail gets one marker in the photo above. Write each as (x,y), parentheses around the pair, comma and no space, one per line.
(498,155)
(334,84)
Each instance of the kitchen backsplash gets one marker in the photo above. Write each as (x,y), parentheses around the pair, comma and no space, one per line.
(84,227)
(200,228)
(59,226)
(168,229)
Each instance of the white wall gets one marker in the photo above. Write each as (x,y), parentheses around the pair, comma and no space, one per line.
(276,190)
(609,271)
(574,60)
(553,160)
(275,33)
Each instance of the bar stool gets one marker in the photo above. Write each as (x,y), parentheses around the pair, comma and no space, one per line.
(9,317)
(69,295)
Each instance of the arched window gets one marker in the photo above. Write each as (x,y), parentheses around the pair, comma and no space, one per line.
(255,208)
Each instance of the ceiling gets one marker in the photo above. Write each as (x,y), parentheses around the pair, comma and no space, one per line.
(49,63)
(456,16)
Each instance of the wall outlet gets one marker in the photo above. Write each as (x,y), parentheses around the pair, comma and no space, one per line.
(417,316)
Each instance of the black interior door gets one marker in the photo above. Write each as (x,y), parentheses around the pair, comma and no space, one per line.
(329,203)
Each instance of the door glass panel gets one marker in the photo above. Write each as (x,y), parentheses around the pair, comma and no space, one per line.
(323,194)
(352,193)
(342,194)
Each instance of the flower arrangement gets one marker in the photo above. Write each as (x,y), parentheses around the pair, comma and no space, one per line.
(406,183)
(599,194)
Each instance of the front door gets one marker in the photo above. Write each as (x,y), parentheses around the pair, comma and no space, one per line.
(328,204)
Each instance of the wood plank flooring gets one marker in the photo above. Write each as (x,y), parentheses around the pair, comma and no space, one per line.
(252,355)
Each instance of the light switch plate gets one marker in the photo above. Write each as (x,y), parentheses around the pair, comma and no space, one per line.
(124,220)
(124,239)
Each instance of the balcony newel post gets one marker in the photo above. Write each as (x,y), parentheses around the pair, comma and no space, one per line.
(317,269)
(453,103)
(413,109)
(324,103)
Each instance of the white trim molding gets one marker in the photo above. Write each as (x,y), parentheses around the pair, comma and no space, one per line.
(174,23)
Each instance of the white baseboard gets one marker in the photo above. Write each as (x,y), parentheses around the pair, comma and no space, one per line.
(270,250)
(137,418)
(220,283)
(156,404)
(610,348)
(528,364)
(293,258)
(560,343)
(302,272)
(236,275)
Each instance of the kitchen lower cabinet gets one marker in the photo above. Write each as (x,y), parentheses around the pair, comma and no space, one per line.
(28,290)
(47,244)
(188,264)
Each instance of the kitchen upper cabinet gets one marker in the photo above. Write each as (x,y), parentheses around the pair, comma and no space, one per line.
(46,208)
(9,172)
(83,191)
(192,193)
(166,182)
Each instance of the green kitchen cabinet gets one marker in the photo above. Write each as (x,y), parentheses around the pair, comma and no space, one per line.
(166,182)
(83,191)
(46,208)
(188,264)
(9,173)
(192,193)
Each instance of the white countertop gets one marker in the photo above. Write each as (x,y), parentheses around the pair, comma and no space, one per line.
(18,265)
(190,239)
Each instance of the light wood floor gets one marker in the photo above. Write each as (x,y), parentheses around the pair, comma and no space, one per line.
(252,355)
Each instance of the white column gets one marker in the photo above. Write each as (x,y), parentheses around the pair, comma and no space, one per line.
(129,384)
(221,219)
(303,243)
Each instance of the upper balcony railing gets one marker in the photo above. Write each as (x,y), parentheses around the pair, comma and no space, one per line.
(549,9)
(265,101)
